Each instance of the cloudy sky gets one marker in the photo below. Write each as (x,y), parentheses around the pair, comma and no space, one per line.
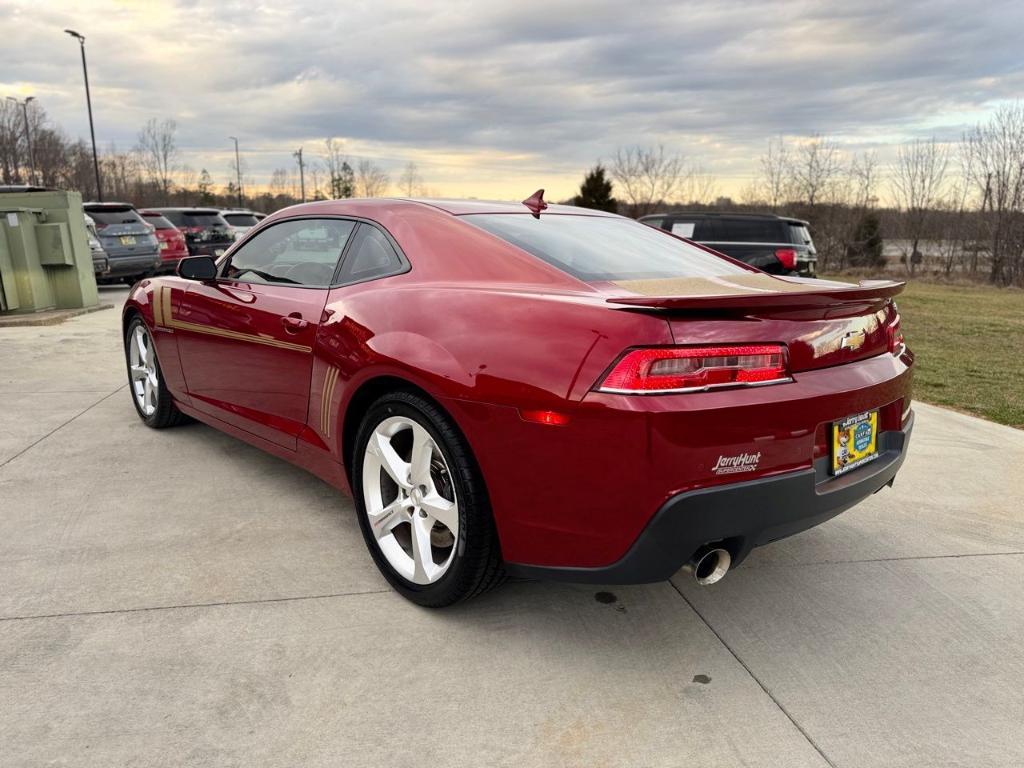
(495,99)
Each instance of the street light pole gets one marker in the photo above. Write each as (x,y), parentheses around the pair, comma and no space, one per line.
(238,171)
(28,135)
(88,103)
(302,174)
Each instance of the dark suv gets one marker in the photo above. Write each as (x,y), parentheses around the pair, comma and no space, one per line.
(206,232)
(775,244)
(131,247)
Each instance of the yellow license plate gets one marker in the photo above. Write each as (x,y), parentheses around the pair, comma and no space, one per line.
(854,442)
(127,239)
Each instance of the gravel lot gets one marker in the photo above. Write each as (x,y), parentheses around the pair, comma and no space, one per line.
(180,598)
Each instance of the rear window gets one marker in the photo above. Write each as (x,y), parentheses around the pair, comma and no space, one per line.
(157,221)
(202,219)
(750,231)
(241,219)
(107,216)
(799,234)
(595,248)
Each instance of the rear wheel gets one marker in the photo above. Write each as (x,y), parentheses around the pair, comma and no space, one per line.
(422,506)
(149,394)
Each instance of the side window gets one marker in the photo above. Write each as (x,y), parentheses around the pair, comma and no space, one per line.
(653,221)
(683,228)
(752,231)
(300,252)
(371,255)
(706,231)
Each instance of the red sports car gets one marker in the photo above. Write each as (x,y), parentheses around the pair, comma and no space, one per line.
(543,391)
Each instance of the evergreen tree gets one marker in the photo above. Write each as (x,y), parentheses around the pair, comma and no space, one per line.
(344,183)
(205,188)
(596,192)
(866,248)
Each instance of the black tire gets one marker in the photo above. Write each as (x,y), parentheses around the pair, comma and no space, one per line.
(477,566)
(166,413)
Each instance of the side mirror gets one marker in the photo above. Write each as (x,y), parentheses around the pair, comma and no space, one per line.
(197,268)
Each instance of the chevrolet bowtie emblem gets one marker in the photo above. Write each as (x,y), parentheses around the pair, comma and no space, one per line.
(853,340)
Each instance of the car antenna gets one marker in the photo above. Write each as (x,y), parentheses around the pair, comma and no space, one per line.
(535,203)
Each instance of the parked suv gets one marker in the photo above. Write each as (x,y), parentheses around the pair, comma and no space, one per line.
(206,232)
(172,241)
(100,262)
(240,221)
(131,247)
(775,244)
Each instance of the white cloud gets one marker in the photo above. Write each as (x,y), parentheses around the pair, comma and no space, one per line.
(490,99)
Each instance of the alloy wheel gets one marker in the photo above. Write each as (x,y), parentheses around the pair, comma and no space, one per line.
(410,499)
(142,365)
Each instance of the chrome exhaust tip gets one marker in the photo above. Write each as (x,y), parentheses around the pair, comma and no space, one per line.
(710,565)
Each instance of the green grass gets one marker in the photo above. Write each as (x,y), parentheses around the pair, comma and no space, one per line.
(969,347)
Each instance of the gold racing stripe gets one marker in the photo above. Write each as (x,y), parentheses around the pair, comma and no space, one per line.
(236,335)
(165,305)
(330,380)
(158,305)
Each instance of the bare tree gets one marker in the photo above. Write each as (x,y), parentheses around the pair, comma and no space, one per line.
(776,173)
(816,166)
(315,172)
(699,186)
(850,219)
(14,165)
(996,167)
(411,182)
(371,179)
(279,184)
(121,174)
(158,153)
(917,188)
(647,176)
(862,175)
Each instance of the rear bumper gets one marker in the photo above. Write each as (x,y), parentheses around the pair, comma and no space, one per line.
(742,515)
(128,266)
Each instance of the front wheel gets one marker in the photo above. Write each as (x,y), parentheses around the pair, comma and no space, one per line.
(422,505)
(149,394)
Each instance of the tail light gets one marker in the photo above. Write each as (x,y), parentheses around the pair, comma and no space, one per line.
(894,333)
(690,369)
(787,256)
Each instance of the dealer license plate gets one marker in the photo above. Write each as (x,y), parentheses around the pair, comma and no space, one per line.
(127,239)
(854,442)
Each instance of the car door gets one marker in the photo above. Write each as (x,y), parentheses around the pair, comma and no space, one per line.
(246,339)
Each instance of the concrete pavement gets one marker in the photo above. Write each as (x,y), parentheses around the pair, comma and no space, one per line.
(179,598)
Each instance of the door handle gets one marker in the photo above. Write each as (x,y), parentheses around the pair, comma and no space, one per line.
(294,323)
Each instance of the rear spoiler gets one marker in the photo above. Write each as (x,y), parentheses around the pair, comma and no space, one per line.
(791,297)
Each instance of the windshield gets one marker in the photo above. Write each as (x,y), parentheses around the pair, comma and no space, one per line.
(594,248)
